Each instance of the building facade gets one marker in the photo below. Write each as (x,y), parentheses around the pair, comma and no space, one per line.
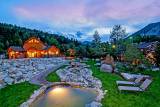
(32,48)
(148,49)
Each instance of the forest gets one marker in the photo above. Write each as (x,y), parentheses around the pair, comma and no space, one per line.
(12,35)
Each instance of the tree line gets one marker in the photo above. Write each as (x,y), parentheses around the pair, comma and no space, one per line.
(12,35)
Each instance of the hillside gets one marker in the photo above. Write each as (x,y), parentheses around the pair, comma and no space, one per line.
(152,29)
(12,35)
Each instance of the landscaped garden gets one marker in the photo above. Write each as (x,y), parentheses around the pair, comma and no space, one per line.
(84,59)
(114,98)
(14,95)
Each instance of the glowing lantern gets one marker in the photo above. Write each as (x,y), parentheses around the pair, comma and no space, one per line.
(113,46)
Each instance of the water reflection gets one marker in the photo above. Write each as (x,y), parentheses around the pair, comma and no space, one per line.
(65,97)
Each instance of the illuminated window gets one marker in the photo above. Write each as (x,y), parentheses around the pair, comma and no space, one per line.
(32,54)
(12,53)
(36,41)
(56,52)
(42,52)
(31,41)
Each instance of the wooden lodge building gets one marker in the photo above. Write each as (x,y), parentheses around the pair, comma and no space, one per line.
(148,49)
(32,48)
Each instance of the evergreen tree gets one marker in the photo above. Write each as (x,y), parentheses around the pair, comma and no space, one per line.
(1,47)
(135,56)
(7,44)
(97,38)
(117,33)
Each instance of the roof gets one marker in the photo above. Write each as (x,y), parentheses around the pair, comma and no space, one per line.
(33,37)
(17,48)
(146,45)
(47,47)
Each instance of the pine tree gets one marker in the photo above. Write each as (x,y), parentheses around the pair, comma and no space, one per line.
(117,33)
(96,37)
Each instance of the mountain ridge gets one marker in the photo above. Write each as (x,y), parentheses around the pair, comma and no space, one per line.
(152,29)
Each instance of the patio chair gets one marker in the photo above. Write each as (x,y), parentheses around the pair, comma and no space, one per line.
(136,82)
(142,87)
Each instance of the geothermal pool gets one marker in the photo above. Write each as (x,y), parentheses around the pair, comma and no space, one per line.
(65,97)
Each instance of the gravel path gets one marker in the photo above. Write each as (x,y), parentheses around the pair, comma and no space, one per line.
(40,78)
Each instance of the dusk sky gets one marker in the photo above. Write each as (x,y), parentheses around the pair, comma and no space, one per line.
(86,16)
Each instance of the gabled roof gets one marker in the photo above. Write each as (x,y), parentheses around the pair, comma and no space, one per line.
(34,38)
(17,48)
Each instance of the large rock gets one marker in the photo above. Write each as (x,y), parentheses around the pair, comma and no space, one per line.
(106,68)
(94,104)
(8,80)
(156,69)
(79,74)
(19,70)
(2,84)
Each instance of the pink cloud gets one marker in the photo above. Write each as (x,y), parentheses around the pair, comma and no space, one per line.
(97,10)
(123,9)
(52,12)
(72,14)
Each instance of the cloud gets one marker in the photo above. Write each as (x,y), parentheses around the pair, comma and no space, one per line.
(101,30)
(129,10)
(88,15)
(57,13)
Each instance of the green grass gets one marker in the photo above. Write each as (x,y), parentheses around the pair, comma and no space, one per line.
(113,98)
(14,95)
(53,77)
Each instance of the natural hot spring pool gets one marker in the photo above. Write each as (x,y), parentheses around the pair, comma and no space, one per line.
(65,97)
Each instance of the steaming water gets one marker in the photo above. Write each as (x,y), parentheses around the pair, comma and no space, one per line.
(65,97)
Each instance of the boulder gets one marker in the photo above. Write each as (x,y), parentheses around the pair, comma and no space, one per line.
(106,68)
(98,64)
(79,74)
(41,67)
(156,69)
(8,80)
(19,73)
(94,104)
(2,84)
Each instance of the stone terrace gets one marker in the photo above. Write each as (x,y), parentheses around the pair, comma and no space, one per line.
(20,70)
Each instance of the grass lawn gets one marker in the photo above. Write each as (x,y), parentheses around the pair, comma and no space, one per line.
(53,77)
(14,95)
(149,98)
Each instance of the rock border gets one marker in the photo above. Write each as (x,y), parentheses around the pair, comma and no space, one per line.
(95,103)
(42,90)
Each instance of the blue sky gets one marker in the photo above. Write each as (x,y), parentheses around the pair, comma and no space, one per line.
(86,16)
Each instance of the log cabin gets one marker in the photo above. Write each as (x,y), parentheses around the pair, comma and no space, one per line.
(148,49)
(32,48)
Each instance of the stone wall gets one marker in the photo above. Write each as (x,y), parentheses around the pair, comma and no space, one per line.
(20,70)
(80,74)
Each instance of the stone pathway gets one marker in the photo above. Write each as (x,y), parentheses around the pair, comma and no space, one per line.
(40,79)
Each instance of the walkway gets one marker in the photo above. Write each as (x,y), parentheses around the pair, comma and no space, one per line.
(40,78)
